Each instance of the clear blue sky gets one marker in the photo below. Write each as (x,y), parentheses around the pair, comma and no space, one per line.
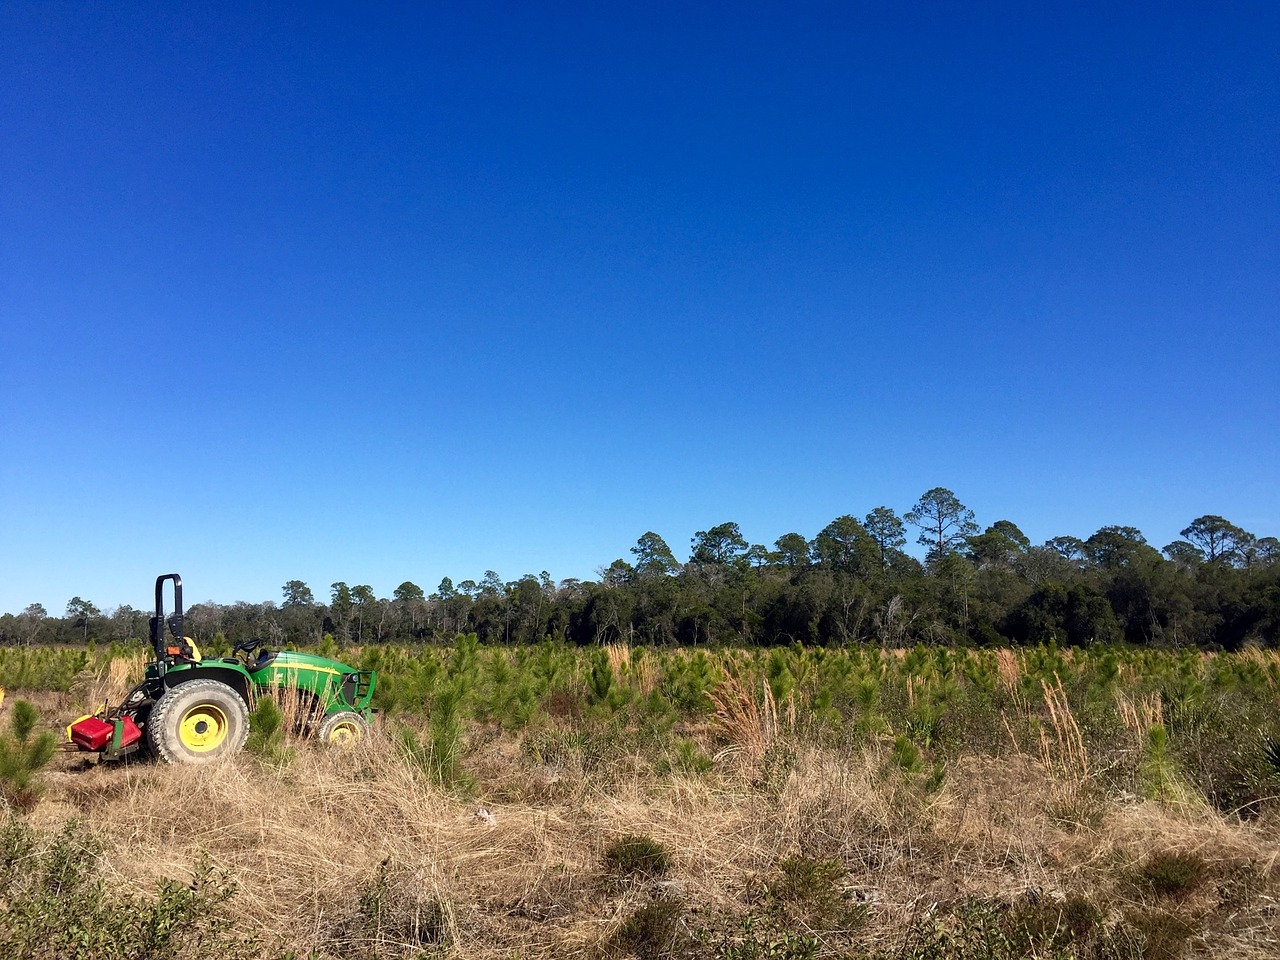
(330,292)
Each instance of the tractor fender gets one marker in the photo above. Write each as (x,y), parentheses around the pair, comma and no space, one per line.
(235,678)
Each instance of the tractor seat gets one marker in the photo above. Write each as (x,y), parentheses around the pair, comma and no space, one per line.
(187,650)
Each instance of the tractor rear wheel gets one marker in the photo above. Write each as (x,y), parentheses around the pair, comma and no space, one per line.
(344,729)
(198,722)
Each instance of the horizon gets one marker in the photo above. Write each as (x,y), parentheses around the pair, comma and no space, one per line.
(320,588)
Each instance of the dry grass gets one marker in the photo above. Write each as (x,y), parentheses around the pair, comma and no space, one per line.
(109,684)
(487,876)
(750,725)
(1062,747)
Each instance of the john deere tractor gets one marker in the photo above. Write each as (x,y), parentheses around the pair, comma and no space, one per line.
(189,709)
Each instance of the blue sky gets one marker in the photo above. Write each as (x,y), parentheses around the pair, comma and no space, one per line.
(331,293)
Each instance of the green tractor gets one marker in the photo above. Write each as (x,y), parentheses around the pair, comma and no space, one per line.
(193,710)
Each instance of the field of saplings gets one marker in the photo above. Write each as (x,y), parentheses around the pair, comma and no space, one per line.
(548,800)
(1137,720)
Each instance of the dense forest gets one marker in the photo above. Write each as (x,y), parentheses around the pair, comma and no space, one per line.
(1218,587)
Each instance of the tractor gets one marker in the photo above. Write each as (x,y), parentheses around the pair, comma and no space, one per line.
(189,709)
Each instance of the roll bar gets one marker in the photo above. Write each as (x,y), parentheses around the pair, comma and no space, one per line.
(158,622)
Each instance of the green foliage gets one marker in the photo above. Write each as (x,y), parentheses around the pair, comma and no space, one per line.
(446,729)
(637,857)
(23,752)
(944,522)
(598,709)
(685,756)
(779,674)
(266,738)
(924,722)
(1159,934)
(686,680)
(979,929)
(580,709)
(1158,771)
(600,681)
(45,668)
(906,756)
(435,756)
(809,894)
(909,759)
(57,906)
(22,720)
(850,583)
(757,941)
(1170,875)
(393,917)
(652,931)
(1270,749)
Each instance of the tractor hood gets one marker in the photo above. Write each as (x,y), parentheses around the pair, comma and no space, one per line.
(305,661)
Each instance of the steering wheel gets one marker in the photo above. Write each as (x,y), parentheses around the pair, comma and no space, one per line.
(247,646)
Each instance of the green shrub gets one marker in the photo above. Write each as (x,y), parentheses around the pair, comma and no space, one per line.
(637,857)
(435,756)
(907,757)
(1158,934)
(267,732)
(1159,771)
(22,755)
(653,932)
(685,756)
(1170,875)
(1049,926)
(57,906)
(391,914)
(754,942)
(808,893)
(981,929)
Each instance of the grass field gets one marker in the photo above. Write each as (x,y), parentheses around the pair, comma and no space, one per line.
(552,802)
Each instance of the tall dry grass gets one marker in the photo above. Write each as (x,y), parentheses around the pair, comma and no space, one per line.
(108,684)
(748,722)
(314,843)
(361,853)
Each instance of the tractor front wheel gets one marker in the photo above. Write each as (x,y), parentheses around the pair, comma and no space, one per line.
(198,722)
(344,729)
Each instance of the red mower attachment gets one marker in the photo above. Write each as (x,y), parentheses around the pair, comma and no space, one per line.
(94,733)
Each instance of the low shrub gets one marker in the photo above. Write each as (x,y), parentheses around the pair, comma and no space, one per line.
(267,732)
(23,752)
(393,918)
(653,931)
(985,929)
(685,756)
(808,893)
(1169,875)
(1157,933)
(637,857)
(56,905)
(756,941)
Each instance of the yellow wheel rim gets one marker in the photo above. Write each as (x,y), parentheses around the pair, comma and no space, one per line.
(345,732)
(203,728)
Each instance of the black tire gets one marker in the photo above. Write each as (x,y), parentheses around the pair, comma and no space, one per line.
(142,717)
(199,721)
(343,729)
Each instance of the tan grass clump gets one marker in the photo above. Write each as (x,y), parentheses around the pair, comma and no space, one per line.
(108,685)
(751,726)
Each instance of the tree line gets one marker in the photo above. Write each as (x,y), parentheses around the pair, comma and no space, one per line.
(1216,587)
